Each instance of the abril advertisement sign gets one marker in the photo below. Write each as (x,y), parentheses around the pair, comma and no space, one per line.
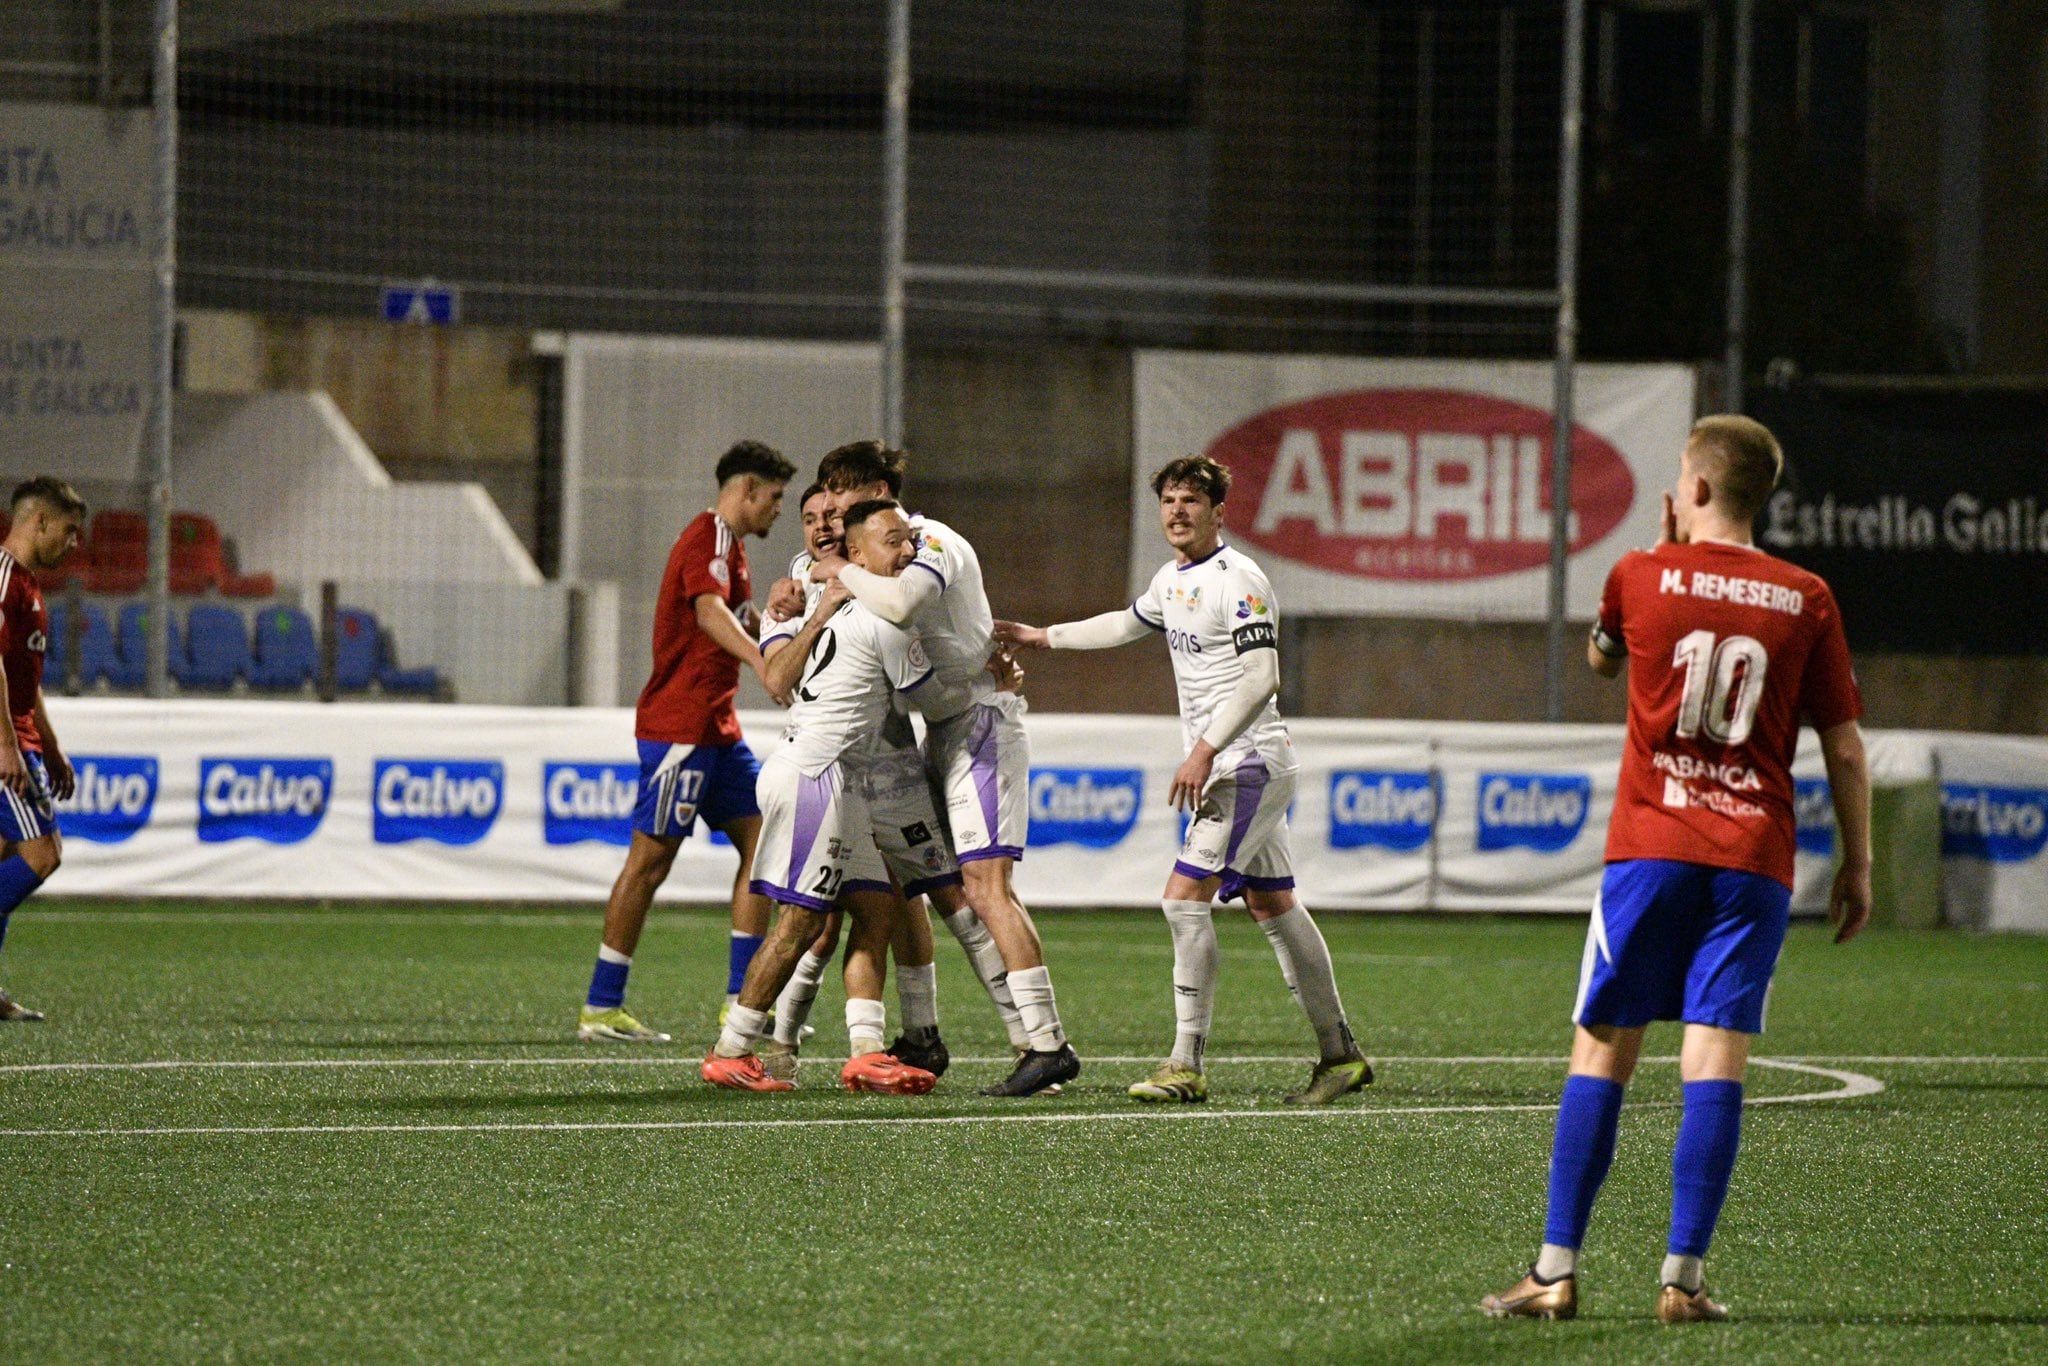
(1413,488)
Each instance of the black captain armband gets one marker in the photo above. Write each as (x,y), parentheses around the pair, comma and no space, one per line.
(1608,645)
(1256,635)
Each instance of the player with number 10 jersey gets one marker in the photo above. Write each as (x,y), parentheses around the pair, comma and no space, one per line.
(1728,648)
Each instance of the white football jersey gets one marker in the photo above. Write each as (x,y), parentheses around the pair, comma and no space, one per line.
(856,666)
(1213,611)
(957,627)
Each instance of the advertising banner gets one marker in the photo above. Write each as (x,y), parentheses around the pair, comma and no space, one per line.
(1411,488)
(419,801)
(1912,507)
(75,285)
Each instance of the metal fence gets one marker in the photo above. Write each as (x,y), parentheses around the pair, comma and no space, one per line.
(1282,174)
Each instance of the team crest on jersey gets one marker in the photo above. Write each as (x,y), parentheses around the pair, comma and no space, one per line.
(1252,606)
(916,654)
(720,574)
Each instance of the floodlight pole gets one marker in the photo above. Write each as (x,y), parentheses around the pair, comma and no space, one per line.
(1571,121)
(163,322)
(895,217)
(1738,204)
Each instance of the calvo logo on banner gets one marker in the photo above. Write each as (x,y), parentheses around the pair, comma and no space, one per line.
(1092,807)
(278,800)
(112,798)
(1390,809)
(1415,484)
(1539,811)
(449,801)
(2000,824)
(1813,813)
(588,801)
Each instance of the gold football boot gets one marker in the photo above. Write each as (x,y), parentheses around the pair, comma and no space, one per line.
(1676,1306)
(1530,1298)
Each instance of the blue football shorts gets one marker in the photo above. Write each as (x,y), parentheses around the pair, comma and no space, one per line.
(1681,941)
(680,783)
(30,817)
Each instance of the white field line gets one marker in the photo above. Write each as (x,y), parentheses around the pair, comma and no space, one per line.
(1852,1084)
(686,1059)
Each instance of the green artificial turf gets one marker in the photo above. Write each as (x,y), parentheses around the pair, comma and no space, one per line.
(363,1211)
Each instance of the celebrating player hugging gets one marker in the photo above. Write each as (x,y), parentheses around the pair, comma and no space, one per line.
(1237,781)
(817,840)
(1727,649)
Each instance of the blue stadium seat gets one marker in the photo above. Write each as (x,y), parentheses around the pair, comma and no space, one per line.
(133,647)
(287,653)
(100,654)
(356,651)
(217,647)
(392,678)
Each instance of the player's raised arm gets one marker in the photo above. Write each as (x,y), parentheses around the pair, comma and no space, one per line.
(785,654)
(1841,748)
(1606,648)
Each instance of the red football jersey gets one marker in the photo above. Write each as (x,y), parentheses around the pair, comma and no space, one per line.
(1728,650)
(24,635)
(688,697)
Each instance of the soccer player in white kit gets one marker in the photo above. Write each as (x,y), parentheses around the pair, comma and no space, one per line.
(1217,612)
(907,831)
(975,752)
(817,842)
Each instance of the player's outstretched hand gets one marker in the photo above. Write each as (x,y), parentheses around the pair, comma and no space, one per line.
(786,599)
(62,783)
(1191,778)
(827,569)
(1849,903)
(1016,633)
(13,770)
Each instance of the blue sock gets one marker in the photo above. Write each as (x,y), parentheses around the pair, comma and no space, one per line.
(608,984)
(744,946)
(1702,1163)
(17,881)
(1587,1117)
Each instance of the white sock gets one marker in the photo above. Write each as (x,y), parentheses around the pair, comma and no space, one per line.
(1684,1272)
(917,991)
(988,966)
(1032,988)
(866,1021)
(743,1026)
(1554,1262)
(1305,963)
(1194,977)
(793,1006)
(607,954)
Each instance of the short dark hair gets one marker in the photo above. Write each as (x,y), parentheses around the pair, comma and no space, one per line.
(1740,460)
(865,509)
(1197,472)
(757,458)
(50,491)
(860,463)
(809,493)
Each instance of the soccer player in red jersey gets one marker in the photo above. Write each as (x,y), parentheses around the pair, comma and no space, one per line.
(693,762)
(1728,650)
(47,514)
